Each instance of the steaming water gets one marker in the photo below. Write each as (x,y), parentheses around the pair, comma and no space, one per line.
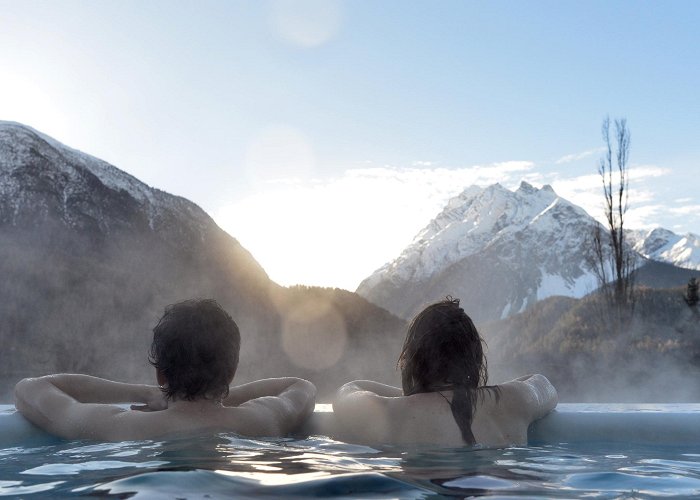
(226,466)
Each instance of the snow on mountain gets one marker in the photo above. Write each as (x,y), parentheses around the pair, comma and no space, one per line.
(498,250)
(39,175)
(665,246)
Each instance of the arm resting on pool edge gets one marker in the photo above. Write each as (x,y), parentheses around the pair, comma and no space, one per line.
(275,406)
(76,406)
(369,386)
(89,389)
(363,411)
(534,396)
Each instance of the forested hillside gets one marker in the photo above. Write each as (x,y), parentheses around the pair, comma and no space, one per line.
(656,356)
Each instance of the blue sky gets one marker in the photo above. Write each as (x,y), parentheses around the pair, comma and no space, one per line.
(324,134)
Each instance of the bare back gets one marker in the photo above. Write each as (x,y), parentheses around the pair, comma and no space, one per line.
(501,418)
(112,423)
(83,407)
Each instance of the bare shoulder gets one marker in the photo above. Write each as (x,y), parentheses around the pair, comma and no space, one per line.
(367,417)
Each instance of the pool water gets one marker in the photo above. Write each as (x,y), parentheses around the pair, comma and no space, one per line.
(226,466)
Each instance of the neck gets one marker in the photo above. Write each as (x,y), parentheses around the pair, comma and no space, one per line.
(201,404)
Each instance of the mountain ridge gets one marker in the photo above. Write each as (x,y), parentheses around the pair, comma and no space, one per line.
(90,256)
(500,251)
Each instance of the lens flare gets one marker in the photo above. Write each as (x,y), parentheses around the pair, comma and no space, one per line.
(314,335)
(306,23)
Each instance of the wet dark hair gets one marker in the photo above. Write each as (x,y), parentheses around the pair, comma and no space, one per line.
(443,351)
(195,347)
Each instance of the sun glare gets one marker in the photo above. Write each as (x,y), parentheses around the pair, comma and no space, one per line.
(23,101)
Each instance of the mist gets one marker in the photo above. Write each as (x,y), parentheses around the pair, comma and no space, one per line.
(89,264)
(655,358)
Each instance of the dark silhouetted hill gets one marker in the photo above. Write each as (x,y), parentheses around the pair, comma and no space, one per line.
(90,256)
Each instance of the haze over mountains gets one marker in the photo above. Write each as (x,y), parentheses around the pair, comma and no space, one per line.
(501,251)
(521,264)
(90,256)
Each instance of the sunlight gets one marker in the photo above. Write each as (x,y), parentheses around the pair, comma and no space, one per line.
(24,101)
(279,151)
(306,232)
(270,479)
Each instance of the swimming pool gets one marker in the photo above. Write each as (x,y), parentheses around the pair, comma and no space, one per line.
(225,466)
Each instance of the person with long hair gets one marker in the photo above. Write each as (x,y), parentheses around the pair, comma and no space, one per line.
(444,398)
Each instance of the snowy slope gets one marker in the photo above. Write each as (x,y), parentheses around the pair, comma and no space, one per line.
(42,178)
(498,250)
(665,246)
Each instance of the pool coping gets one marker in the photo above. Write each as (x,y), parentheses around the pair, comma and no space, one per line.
(668,424)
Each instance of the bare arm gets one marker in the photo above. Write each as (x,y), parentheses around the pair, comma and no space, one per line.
(536,395)
(240,394)
(367,411)
(273,407)
(376,388)
(89,389)
(76,406)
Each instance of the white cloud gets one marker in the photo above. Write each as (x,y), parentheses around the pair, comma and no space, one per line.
(578,156)
(686,210)
(306,23)
(337,232)
(644,217)
(640,172)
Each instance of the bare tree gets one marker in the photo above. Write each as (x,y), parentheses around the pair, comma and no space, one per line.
(614,260)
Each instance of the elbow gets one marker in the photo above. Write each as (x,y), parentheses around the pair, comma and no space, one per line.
(308,387)
(23,389)
(341,395)
(548,394)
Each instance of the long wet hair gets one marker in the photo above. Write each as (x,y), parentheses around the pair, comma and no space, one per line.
(443,351)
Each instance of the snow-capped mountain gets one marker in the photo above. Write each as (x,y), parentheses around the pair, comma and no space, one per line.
(663,245)
(500,251)
(497,250)
(42,179)
(90,256)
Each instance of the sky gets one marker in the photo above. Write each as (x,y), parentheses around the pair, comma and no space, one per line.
(325,134)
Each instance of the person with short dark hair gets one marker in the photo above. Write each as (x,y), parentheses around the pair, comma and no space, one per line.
(195,352)
(444,399)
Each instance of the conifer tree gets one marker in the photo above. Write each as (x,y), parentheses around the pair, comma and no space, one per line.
(691,294)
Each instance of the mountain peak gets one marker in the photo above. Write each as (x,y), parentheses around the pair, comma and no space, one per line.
(665,246)
(42,179)
(534,238)
(526,187)
(17,141)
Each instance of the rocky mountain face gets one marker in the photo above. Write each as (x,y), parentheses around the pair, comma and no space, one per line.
(497,250)
(501,251)
(90,256)
(662,245)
